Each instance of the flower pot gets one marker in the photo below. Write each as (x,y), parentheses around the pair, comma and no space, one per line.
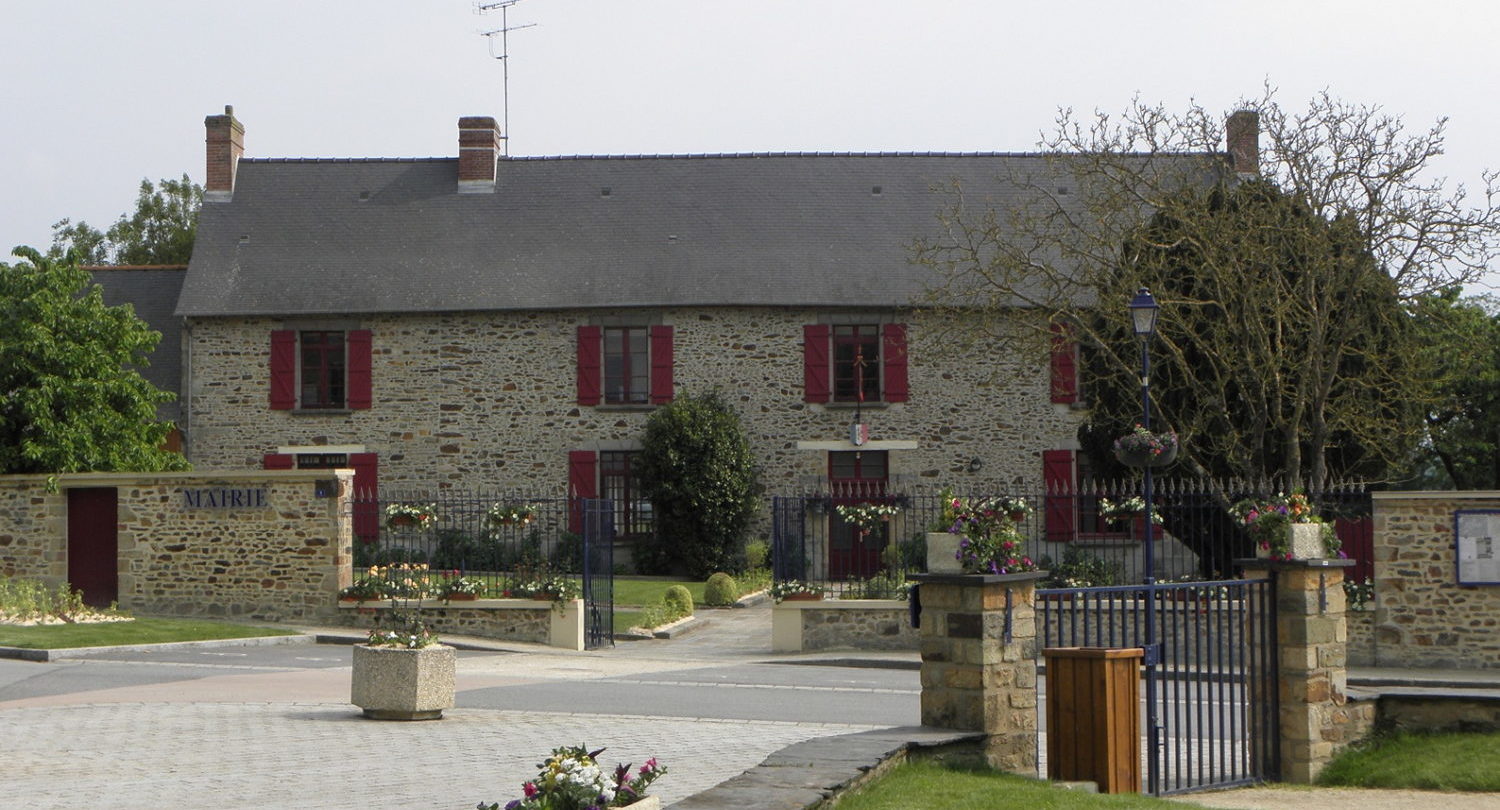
(942,553)
(1145,458)
(395,683)
(1305,542)
(1017,516)
(802,597)
(461,597)
(401,521)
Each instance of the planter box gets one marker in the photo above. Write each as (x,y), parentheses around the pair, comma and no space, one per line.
(942,553)
(393,683)
(1306,542)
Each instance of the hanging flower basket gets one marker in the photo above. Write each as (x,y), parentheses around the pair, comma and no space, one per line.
(1142,448)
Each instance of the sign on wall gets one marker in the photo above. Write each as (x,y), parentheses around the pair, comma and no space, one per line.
(225,498)
(1477,539)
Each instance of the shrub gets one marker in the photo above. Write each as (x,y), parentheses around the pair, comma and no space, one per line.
(757,554)
(721,590)
(680,599)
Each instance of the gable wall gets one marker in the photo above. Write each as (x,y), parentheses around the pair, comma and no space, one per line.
(488,400)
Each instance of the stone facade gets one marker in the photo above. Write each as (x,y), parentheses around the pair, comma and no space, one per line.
(843,624)
(282,561)
(1423,618)
(509,619)
(488,400)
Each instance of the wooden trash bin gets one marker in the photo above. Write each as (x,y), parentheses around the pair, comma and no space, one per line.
(1094,716)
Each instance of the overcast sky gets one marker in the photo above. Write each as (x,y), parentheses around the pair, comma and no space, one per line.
(98,95)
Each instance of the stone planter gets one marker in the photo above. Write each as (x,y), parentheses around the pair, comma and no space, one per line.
(942,553)
(394,683)
(646,803)
(1305,542)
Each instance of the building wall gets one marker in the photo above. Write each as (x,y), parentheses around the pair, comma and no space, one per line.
(1423,618)
(488,400)
(281,562)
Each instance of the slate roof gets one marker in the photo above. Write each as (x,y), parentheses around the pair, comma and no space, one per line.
(153,291)
(326,236)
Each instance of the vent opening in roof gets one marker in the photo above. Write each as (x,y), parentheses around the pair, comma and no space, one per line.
(364,195)
(875,190)
(604,192)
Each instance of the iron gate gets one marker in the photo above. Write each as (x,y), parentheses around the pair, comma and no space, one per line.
(1209,681)
(598,573)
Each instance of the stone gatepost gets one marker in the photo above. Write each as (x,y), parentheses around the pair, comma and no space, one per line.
(978,641)
(1311,661)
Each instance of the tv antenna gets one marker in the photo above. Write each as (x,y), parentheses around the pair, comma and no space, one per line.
(503,32)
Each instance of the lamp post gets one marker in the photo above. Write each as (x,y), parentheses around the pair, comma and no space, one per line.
(1143,311)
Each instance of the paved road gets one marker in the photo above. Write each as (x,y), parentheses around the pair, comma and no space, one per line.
(257,727)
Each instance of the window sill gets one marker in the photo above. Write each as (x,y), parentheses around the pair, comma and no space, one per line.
(321,411)
(625,406)
(849,406)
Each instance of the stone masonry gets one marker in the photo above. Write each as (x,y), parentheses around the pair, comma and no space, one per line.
(488,400)
(1423,618)
(978,642)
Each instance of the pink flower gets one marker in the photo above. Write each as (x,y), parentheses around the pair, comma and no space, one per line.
(530,789)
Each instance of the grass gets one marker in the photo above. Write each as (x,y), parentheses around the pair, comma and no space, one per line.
(1467,762)
(934,786)
(639,592)
(140,631)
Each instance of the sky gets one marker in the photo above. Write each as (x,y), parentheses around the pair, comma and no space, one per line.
(97,96)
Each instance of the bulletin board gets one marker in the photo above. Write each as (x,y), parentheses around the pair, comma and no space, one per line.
(1476,537)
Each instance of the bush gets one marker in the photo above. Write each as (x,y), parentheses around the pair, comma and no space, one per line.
(721,590)
(757,554)
(679,599)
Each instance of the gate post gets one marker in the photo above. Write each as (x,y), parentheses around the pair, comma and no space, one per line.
(1311,674)
(978,641)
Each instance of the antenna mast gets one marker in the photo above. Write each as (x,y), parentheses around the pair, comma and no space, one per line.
(504,56)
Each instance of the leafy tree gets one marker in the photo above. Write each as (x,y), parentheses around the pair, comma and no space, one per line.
(73,401)
(1461,447)
(700,477)
(1284,345)
(159,231)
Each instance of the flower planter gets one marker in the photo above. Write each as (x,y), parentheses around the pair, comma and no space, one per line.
(461,597)
(802,597)
(401,522)
(1144,458)
(1304,543)
(1016,516)
(395,683)
(942,553)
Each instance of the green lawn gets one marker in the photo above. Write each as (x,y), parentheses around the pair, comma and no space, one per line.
(140,631)
(932,786)
(1451,762)
(639,591)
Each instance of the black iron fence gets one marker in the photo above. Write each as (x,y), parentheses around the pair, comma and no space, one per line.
(1088,535)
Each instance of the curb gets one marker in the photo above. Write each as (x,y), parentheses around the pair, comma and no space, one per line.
(26,654)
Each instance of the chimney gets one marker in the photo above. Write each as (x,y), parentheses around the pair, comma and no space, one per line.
(1242,132)
(478,149)
(226,143)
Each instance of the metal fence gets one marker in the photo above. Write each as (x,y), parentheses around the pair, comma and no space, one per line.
(1080,534)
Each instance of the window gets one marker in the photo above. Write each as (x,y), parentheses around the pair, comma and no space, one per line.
(854,363)
(619,483)
(320,369)
(625,365)
(627,370)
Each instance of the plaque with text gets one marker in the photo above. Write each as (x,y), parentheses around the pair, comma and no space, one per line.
(1477,546)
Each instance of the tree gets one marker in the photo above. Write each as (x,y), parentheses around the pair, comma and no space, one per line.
(73,401)
(160,231)
(1284,346)
(1461,447)
(698,473)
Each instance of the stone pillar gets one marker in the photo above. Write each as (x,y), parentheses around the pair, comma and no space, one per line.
(1311,662)
(978,641)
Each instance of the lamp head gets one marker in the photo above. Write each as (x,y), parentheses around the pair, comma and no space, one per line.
(1143,311)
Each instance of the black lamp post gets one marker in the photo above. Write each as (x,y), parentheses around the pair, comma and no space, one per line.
(1143,310)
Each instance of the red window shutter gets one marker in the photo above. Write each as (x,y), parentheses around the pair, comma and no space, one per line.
(583,482)
(283,369)
(815,346)
(366,496)
(893,357)
(358,341)
(1061,496)
(590,347)
(278,461)
(661,365)
(1064,365)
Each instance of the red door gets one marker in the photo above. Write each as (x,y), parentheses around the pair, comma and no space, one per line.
(93,548)
(855,477)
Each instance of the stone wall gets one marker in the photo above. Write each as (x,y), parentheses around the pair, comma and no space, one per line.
(857,624)
(1423,618)
(488,400)
(283,561)
(514,620)
(1361,628)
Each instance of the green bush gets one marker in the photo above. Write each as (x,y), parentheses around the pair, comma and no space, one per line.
(679,599)
(721,590)
(757,554)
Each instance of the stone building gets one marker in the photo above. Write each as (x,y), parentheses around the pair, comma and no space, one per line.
(504,323)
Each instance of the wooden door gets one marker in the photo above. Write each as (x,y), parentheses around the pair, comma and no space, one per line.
(855,477)
(93,545)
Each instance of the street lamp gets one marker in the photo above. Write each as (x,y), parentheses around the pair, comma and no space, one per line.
(1143,311)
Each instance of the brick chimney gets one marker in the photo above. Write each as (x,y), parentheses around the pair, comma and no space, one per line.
(1242,132)
(478,150)
(226,143)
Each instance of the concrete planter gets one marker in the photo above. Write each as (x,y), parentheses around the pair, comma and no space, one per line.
(1305,542)
(942,553)
(394,683)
